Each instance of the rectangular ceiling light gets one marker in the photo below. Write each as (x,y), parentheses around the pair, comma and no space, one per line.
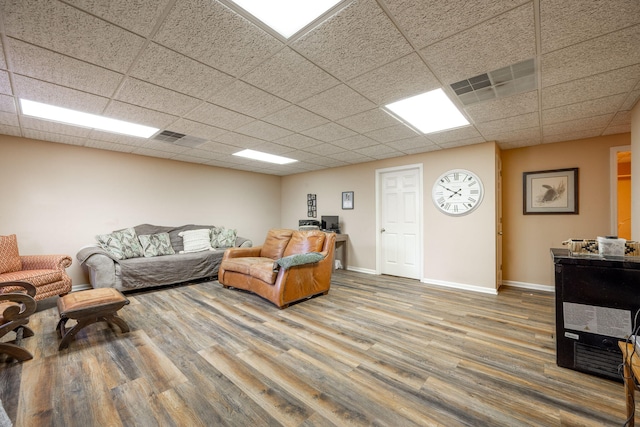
(286,17)
(78,118)
(428,112)
(264,157)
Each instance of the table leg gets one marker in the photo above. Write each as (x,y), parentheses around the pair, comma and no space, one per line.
(629,390)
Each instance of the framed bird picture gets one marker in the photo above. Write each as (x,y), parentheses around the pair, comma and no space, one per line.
(550,192)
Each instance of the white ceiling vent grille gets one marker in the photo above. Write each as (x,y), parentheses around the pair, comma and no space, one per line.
(500,83)
(179,139)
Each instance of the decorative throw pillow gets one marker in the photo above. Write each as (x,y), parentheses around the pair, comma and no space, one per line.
(9,256)
(156,244)
(196,240)
(122,244)
(298,259)
(223,237)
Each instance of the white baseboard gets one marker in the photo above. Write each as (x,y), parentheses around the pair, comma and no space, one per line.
(462,286)
(361,270)
(525,285)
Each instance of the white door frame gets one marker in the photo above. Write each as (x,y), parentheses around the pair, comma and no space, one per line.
(613,186)
(379,172)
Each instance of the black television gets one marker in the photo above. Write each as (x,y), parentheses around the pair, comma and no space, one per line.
(330,223)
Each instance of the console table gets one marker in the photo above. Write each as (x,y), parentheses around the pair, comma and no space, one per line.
(341,249)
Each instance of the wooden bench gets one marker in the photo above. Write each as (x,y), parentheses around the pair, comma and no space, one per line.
(88,307)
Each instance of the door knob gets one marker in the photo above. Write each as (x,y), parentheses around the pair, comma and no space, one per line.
(382,230)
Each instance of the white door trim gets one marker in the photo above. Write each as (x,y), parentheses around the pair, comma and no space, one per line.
(379,172)
(613,186)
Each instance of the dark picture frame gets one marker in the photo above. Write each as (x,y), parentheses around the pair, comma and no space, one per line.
(550,192)
(347,200)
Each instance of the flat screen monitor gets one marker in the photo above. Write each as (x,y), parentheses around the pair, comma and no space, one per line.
(330,222)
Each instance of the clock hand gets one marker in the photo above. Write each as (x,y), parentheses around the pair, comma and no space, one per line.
(448,189)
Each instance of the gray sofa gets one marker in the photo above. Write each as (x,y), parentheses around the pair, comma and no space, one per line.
(105,270)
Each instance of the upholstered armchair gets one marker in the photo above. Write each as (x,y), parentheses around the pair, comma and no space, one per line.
(15,309)
(45,272)
(290,266)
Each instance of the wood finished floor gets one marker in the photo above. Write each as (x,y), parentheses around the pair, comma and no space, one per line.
(376,350)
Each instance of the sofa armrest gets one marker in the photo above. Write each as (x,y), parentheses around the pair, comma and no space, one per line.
(242,252)
(45,262)
(100,265)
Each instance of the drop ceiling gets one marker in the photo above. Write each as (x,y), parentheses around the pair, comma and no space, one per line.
(199,68)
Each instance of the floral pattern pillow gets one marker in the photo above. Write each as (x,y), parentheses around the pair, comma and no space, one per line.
(121,244)
(156,244)
(223,237)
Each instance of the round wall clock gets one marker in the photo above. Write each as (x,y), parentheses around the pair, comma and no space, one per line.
(457,192)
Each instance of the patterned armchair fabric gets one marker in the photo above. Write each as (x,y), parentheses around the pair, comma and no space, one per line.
(45,272)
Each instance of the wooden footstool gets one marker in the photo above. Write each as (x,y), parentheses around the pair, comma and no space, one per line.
(88,307)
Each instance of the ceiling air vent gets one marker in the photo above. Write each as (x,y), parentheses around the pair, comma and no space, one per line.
(179,139)
(500,83)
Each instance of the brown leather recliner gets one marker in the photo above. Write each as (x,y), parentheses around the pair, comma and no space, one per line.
(290,266)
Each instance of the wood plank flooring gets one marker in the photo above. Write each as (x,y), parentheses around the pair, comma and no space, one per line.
(377,350)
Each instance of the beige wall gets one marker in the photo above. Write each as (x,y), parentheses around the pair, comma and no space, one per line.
(57,197)
(528,238)
(458,252)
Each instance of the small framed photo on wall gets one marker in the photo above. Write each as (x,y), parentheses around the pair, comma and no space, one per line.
(347,200)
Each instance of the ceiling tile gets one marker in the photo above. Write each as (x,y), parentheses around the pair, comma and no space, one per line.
(218,148)
(290,76)
(564,23)
(368,121)
(612,130)
(621,118)
(631,101)
(217,116)
(396,80)
(295,118)
(3,63)
(153,153)
(393,133)
(53,137)
(572,126)
(239,140)
(411,143)
(346,48)
(152,144)
(263,130)
(116,138)
(137,16)
(428,21)
(337,102)
(164,67)
(135,114)
(8,119)
(466,132)
(5,84)
(531,135)
(504,40)
(324,149)
(10,130)
(211,33)
(515,105)
(576,134)
(144,94)
(351,157)
(461,142)
(297,141)
(328,162)
(37,90)
(594,56)
(596,107)
(524,121)
(54,127)
(51,67)
(355,142)
(7,104)
(592,87)
(329,132)
(379,151)
(246,99)
(424,149)
(199,130)
(57,26)
(103,145)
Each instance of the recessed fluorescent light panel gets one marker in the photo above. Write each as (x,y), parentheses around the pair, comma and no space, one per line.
(286,17)
(78,118)
(428,112)
(264,157)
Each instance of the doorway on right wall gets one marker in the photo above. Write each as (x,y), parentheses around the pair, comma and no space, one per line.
(620,170)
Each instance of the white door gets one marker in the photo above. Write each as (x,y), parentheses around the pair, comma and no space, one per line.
(400,239)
